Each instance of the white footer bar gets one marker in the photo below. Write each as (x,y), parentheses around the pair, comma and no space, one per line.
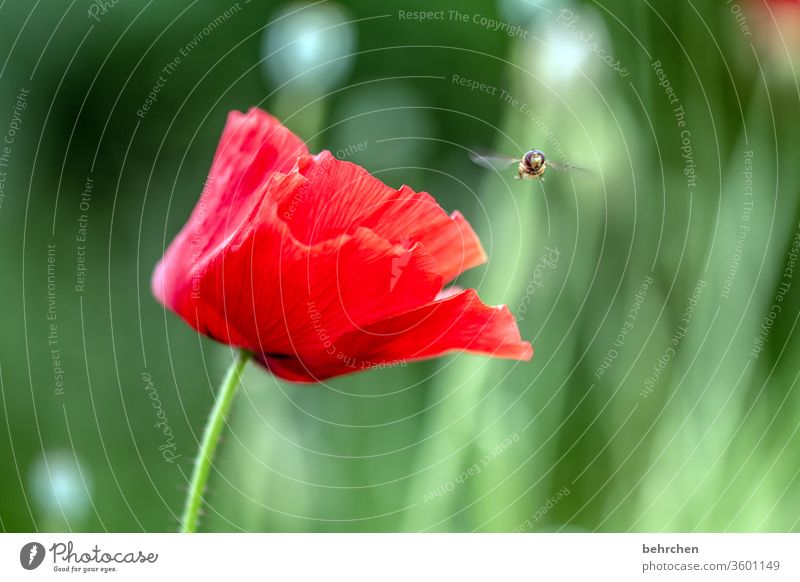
(400,557)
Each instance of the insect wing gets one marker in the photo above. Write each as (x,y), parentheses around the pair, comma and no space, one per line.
(568,167)
(492,161)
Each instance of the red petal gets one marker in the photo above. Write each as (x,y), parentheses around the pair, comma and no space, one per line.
(340,196)
(459,322)
(253,147)
(267,292)
(418,216)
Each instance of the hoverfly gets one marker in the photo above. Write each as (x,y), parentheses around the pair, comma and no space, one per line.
(530,166)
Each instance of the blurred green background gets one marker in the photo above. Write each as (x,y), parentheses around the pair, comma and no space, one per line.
(660,291)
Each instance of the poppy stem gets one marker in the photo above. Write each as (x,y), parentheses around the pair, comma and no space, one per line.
(208,446)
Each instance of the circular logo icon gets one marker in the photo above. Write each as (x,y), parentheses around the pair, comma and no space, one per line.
(31,555)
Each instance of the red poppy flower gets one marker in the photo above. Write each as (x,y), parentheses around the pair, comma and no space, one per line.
(319,268)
